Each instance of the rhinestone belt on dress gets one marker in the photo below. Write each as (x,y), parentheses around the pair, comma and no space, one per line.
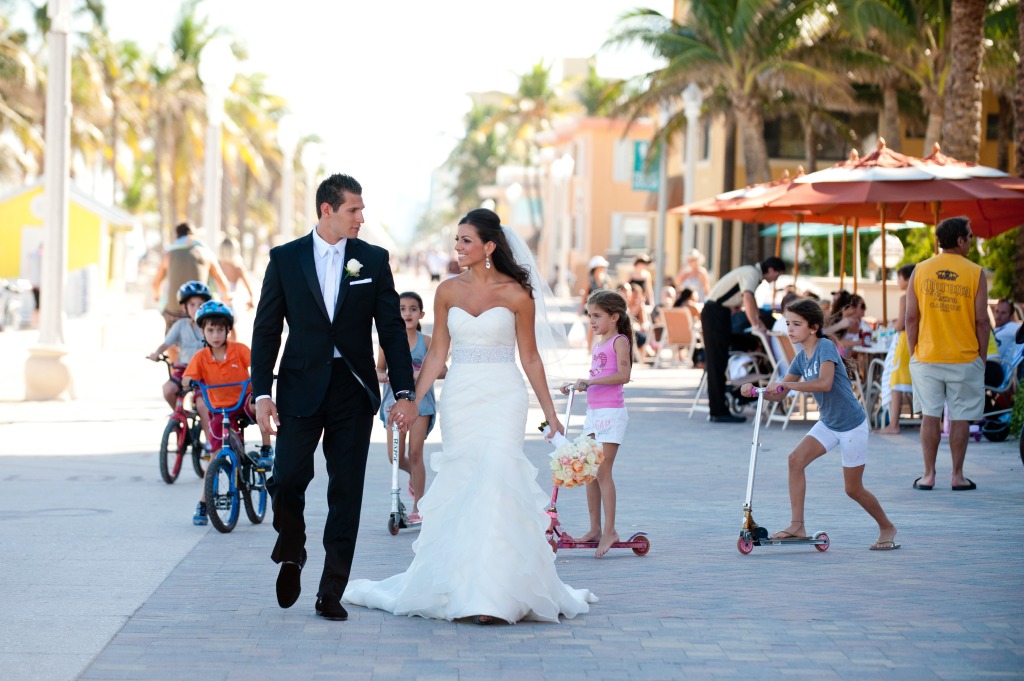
(484,354)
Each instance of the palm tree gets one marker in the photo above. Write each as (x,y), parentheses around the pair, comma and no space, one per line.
(1018,99)
(598,96)
(19,104)
(961,124)
(476,157)
(531,110)
(252,158)
(742,47)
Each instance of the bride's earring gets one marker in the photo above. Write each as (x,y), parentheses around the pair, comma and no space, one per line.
(487,261)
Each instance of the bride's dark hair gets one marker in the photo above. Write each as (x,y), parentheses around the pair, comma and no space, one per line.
(488,227)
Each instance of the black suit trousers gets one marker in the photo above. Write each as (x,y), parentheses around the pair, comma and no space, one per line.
(716,325)
(345,420)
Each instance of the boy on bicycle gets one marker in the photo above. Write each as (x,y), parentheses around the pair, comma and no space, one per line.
(188,337)
(222,361)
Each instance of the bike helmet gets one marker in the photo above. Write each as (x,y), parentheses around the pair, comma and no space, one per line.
(213,309)
(193,288)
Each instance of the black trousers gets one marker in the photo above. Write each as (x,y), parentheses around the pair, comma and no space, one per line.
(345,420)
(716,324)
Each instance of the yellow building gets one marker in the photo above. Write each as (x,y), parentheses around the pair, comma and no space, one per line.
(590,206)
(96,243)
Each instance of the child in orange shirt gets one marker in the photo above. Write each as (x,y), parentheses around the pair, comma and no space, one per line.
(222,361)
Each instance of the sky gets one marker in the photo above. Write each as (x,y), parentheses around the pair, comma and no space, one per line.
(384,83)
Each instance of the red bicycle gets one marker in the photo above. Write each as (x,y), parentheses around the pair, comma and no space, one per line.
(182,433)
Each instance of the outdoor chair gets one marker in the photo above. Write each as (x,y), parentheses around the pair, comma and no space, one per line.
(678,334)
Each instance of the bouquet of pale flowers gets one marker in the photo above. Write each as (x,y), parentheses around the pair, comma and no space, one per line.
(573,462)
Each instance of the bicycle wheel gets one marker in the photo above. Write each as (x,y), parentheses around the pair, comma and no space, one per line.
(254,493)
(200,457)
(221,494)
(172,448)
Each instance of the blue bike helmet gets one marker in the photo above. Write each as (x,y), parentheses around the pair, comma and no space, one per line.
(193,288)
(214,309)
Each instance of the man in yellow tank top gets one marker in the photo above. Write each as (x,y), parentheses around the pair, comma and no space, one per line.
(947,330)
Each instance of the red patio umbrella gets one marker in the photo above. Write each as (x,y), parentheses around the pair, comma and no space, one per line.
(886,185)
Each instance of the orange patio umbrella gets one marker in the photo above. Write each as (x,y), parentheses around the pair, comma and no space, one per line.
(889,186)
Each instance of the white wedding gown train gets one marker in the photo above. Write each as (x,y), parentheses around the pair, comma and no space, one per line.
(481,548)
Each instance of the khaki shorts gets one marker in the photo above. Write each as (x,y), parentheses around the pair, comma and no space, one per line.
(959,386)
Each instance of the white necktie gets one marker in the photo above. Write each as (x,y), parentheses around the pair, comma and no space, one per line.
(331,282)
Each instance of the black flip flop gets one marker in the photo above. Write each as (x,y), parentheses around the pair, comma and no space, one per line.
(963,488)
(918,485)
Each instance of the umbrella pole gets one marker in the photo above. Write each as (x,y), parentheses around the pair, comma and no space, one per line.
(796,252)
(856,252)
(842,254)
(778,254)
(885,273)
(936,208)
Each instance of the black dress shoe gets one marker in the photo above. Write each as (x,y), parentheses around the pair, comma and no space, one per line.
(289,581)
(728,418)
(329,607)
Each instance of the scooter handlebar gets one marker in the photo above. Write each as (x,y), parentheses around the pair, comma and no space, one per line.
(764,391)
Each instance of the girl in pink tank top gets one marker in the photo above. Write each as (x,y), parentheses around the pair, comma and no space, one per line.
(611,364)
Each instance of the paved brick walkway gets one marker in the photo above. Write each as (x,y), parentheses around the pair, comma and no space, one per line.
(151,597)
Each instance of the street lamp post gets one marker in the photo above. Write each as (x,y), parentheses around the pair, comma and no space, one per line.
(217,71)
(287,139)
(312,154)
(561,171)
(46,375)
(659,263)
(692,102)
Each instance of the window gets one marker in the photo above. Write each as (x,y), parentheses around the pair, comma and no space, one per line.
(837,133)
(622,161)
(631,232)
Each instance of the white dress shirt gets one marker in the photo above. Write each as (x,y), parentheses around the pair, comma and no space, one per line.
(321,253)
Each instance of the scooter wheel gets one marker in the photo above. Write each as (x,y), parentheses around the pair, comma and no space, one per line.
(822,547)
(554,545)
(645,546)
(392,526)
(745,545)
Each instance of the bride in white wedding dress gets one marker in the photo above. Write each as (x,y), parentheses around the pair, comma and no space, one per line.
(481,551)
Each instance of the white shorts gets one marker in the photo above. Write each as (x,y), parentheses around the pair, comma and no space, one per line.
(607,425)
(853,444)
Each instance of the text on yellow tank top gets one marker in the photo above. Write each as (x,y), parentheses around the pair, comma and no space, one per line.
(946,286)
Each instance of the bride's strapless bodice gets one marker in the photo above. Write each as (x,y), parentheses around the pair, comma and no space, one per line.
(489,337)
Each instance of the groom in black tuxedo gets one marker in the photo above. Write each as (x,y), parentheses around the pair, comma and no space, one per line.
(330,288)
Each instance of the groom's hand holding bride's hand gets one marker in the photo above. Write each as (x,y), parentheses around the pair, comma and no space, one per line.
(403,412)
(266,416)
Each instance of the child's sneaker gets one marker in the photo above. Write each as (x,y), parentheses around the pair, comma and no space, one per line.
(200,517)
(266,459)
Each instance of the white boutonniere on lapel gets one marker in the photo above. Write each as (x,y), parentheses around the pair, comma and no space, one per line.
(353,267)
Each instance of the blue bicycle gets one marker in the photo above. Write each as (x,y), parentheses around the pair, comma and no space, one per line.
(234,474)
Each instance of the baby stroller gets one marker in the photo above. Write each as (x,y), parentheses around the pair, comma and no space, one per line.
(1001,386)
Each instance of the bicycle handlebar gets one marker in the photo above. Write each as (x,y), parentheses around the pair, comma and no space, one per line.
(203,390)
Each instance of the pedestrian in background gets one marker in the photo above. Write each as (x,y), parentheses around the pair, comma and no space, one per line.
(948,333)
(734,289)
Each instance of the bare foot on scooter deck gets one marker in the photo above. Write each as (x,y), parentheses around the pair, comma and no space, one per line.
(591,536)
(606,543)
(794,531)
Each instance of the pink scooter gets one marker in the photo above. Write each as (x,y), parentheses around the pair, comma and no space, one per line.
(560,539)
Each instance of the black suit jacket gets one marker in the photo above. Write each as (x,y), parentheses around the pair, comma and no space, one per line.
(291,293)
